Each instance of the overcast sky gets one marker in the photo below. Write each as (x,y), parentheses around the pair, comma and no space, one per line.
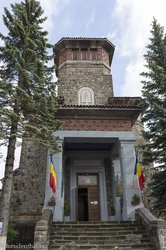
(126,23)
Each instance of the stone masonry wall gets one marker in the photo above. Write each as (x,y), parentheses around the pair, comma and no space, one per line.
(29,182)
(97,125)
(75,75)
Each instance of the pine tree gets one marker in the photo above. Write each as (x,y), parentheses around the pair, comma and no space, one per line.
(27,91)
(154,97)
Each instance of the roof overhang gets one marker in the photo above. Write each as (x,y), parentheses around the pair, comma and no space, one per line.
(69,42)
(122,108)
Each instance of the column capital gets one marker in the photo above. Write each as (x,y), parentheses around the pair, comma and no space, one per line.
(127,141)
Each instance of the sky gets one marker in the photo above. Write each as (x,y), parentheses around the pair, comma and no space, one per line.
(126,23)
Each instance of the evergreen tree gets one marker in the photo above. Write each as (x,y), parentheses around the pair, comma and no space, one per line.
(154,97)
(27,92)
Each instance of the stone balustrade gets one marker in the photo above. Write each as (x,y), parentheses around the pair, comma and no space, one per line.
(156,227)
(42,231)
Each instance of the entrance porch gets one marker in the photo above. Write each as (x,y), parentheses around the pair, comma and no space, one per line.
(94,174)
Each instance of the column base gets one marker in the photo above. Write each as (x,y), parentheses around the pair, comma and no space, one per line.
(58,214)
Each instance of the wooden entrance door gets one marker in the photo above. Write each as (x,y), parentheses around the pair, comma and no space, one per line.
(88,200)
(93,203)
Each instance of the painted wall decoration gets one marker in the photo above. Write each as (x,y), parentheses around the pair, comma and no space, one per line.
(118,185)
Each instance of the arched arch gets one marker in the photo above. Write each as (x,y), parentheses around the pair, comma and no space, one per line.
(85,96)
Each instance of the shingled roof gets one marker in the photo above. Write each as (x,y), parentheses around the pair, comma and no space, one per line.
(116,107)
(113,102)
(103,39)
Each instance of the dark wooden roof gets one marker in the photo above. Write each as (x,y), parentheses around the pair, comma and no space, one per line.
(114,102)
(65,42)
(101,40)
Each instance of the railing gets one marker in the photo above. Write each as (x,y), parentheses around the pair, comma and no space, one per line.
(156,227)
(42,231)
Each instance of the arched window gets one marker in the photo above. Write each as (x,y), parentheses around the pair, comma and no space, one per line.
(85,96)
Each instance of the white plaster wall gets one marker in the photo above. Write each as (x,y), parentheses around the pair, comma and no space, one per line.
(59,195)
(127,155)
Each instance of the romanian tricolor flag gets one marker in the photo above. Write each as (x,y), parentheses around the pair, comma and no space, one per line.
(139,173)
(52,176)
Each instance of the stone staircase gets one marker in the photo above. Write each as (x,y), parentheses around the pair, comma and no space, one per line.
(99,235)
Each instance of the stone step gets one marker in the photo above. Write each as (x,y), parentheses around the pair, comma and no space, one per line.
(101,241)
(94,222)
(97,228)
(91,235)
(99,232)
(97,224)
(105,235)
(96,234)
(142,246)
(90,225)
(104,248)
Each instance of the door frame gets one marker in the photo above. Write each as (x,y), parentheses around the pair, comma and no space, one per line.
(102,188)
(88,187)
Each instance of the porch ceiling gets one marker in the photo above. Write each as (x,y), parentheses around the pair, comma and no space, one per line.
(89,144)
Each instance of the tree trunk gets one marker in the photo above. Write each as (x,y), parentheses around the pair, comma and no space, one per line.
(8,177)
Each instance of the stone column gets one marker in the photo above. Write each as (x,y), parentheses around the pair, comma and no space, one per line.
(59,195)
(127,158)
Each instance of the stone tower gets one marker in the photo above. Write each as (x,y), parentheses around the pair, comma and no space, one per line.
(84,63)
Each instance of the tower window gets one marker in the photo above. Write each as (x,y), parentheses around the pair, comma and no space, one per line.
(85,96)
(84,54)
(75,54)
(94,54)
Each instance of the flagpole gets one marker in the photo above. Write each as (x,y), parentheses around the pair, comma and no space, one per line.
(133,181)
(49,175)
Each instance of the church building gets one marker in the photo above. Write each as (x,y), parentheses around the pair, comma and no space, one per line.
(95,165)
